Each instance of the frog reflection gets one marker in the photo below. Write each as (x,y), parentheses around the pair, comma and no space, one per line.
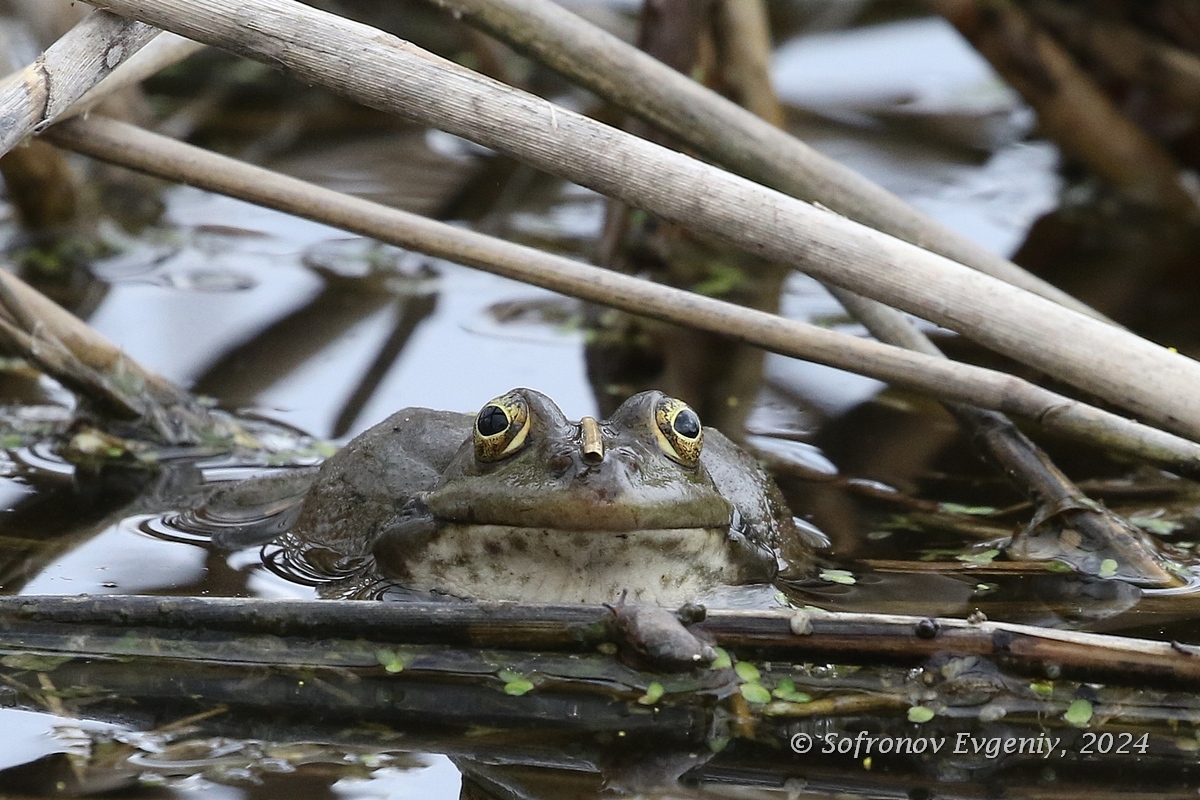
(519,503)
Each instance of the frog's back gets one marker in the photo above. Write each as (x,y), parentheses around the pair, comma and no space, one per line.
(368,481)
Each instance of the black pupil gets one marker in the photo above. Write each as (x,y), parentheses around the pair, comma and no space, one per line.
(687,424)
(492,420)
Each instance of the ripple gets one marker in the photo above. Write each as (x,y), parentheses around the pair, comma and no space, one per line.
(41,456)
(1190,586)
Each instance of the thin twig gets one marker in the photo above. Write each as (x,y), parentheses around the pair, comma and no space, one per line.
(129,146)
(390,74)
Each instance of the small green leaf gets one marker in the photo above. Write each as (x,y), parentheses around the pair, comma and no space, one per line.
(755,693)
(1057,566)
(841,576)
(653,693)
(515,683)
(747,672)
(920,714)
(1156,525)
(1042,688)
(936,553)
(1108,568)
(391,661)
(786,690)
(518,687)
(1079,713)
(876,536)
(723,661)
(34,662)
(986,557)
(974,511)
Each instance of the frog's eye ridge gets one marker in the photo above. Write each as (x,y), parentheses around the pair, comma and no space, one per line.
(501,428)
(678,430)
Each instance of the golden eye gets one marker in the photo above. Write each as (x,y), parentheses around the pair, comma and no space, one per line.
(678,431)
(501,427)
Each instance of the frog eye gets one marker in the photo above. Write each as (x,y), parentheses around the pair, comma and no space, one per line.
(678,430)
(501,427)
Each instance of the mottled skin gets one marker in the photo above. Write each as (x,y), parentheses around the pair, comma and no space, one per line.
(547,523)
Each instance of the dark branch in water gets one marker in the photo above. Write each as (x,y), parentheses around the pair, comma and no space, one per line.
(796,635)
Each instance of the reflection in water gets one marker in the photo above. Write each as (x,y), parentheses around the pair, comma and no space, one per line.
(292,728)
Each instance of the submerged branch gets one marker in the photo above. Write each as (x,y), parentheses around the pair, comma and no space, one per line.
(392,75)
(777,634)
(83,360)
(129,146)
(1104,535)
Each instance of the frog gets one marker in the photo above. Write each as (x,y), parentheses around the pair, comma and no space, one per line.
(519,503)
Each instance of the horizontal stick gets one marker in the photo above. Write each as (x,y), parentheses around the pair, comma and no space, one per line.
(790,633)
(387,73)
(126,145)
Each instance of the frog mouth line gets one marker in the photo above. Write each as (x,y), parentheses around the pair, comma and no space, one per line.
(545,565)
